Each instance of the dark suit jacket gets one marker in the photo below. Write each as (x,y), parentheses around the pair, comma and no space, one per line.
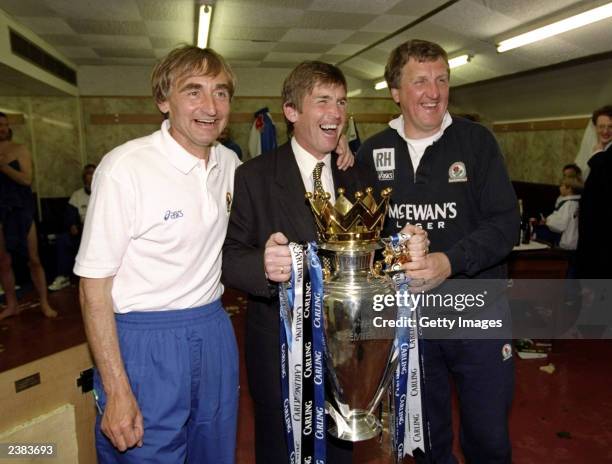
(269,197)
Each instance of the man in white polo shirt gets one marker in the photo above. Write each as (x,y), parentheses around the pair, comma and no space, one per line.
(150,260)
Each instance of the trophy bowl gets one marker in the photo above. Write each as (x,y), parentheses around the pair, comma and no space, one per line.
(359,344)
(360,358)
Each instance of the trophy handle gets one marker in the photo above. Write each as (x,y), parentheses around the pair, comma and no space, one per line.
(386,379)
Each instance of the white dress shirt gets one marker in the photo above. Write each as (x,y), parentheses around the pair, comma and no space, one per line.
(307,162)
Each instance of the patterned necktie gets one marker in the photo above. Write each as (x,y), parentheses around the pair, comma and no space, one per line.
(316,175)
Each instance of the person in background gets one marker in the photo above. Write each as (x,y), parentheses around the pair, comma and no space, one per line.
(67,243)
(17,226)
(572,170)
(602,120)
(226,139)
(564,219)
(594,252)
(549,235)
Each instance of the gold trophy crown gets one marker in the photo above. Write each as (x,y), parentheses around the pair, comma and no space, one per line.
(348,225)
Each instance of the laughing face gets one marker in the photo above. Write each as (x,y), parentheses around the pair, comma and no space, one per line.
(199,108)
(318,126)
(423,96)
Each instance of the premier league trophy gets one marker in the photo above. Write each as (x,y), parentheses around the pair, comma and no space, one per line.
(360,358)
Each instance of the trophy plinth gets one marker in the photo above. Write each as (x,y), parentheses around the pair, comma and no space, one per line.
(359,358)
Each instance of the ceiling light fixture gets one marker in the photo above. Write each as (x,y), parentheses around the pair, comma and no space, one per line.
(452,63)
(567,24)
(204,25)
(459,61)
(380,85)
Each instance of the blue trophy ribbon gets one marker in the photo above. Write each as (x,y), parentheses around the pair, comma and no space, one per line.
(302,348)
(407,382)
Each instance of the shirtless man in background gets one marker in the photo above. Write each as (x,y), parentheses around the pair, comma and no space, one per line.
(17,227)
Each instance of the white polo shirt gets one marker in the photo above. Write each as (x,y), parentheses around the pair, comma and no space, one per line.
(156,221)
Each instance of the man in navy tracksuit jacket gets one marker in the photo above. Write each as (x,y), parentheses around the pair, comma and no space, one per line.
(448,175)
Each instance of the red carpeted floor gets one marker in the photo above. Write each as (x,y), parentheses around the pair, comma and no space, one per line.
(561,417)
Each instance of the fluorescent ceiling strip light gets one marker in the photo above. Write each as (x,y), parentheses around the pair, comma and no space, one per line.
(452,63)
(380,85)
(551,118)
(544,32)
(459,61)
(204,25)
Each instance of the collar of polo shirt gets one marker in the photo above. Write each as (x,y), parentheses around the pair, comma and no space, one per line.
(180,158)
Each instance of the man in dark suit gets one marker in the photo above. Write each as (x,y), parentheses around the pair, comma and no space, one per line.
(269,210)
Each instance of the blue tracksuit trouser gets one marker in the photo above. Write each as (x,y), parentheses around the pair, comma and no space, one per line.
(183,370)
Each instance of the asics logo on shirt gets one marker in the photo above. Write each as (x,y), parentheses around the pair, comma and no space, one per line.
(173,214)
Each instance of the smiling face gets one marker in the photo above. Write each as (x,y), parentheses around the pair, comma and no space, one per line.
(603,127)
(198,109)
(423,96)
(319,124)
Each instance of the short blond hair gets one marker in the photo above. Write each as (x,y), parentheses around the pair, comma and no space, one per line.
(186,61)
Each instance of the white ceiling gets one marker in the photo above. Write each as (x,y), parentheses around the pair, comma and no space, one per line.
(281,33)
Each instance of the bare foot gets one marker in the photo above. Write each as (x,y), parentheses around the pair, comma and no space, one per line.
(48,311)
(8,312)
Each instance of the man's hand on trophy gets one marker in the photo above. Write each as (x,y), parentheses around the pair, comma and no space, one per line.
(418,243)
(428,272)
(410,243)
(346,159)
(277,258)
